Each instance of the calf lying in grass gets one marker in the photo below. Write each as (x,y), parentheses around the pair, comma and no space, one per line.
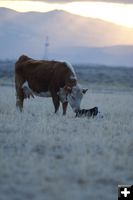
(87,112)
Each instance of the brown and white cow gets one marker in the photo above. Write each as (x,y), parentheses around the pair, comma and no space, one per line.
(47,79)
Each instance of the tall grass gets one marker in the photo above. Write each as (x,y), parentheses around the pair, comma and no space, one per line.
(52,157)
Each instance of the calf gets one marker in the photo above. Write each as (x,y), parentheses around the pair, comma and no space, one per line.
(87,112)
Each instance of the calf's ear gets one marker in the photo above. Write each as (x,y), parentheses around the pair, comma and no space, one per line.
(84,90)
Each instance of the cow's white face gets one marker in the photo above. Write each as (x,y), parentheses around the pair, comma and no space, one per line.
(75,96)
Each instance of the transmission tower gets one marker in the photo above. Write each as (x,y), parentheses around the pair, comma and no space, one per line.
(46,48)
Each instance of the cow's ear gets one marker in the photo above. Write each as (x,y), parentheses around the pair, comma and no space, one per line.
(67,89)
(84,90)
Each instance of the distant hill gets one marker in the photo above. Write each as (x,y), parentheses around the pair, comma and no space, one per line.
(71,37)
(111,55)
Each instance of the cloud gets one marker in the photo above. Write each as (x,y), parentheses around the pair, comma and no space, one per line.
(66,1)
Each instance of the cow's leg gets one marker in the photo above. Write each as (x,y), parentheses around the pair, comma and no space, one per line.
(19,103)
(19,92)
(56,101)
(64,106)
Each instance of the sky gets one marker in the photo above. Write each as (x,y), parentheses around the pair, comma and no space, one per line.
(116,11)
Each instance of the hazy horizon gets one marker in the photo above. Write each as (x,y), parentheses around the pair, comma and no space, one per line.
(71,37)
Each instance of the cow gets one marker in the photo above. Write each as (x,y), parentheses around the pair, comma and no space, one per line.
(56,79)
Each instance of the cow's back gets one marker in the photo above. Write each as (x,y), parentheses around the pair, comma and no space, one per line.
(41,74)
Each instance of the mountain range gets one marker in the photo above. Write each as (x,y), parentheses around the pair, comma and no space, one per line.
(70,37)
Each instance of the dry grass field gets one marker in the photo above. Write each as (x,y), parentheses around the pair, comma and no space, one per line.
(47,156)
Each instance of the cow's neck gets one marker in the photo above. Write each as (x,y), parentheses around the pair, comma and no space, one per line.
(71,82)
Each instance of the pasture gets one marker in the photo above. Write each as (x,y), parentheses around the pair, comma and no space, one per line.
(53,157)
